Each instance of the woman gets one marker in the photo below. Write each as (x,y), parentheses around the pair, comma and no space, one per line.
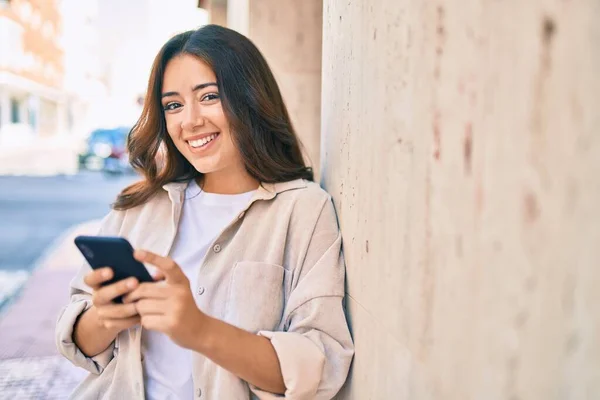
(249,274)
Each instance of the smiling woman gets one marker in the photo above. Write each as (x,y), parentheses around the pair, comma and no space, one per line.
(212,83)
(249,282)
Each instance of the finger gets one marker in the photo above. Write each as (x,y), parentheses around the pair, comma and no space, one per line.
(147,291)
(97,277)
(106,294)
(117,311)
(166,265)
(122,323)
(150,307)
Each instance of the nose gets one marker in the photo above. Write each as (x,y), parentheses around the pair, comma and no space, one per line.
(192,117)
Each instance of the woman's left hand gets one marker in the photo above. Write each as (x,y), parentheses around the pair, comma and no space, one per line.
(168,306)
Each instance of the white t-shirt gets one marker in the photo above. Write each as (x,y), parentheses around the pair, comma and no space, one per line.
(168,367)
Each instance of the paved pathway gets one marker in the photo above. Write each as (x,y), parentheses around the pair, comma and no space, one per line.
(30,366)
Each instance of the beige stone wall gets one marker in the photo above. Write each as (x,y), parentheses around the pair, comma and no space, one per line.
(460,140)
(288,33)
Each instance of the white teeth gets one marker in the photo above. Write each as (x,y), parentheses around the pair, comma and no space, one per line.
(203,141)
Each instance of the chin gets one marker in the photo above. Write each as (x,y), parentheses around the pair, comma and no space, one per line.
(203,168)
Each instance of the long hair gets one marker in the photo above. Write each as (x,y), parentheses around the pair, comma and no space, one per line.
(258,118)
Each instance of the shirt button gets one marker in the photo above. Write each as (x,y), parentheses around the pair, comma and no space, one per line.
(199,392)
(200,291)
(217,248)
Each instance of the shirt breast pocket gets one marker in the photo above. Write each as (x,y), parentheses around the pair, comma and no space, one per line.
(256,296)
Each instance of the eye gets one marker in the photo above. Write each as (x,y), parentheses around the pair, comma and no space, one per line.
(210,97)
(171,106)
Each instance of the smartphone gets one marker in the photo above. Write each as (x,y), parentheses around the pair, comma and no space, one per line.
(114,252)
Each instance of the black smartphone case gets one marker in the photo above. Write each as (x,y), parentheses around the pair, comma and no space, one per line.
(114,252)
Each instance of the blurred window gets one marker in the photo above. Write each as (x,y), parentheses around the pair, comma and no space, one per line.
(14,111)
(33,118)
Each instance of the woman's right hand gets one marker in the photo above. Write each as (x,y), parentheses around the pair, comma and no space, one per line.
(114,317)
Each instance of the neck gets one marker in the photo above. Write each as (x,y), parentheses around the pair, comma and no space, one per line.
(224,182)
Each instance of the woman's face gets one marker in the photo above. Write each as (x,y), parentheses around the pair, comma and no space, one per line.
(194,114)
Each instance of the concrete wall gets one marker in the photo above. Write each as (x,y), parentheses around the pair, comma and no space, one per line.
(288,33)
(460,142)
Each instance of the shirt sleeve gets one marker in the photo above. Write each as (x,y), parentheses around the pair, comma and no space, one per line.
(81,301)
(315,349)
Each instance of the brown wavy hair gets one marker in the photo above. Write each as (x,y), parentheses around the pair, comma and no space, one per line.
(258,118)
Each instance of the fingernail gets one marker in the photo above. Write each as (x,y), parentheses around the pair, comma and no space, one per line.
(106,273)
(141,253)
(131,284)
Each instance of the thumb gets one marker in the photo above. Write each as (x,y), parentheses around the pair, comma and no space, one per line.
(165,265)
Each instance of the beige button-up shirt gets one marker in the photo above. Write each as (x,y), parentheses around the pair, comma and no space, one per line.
(277,270)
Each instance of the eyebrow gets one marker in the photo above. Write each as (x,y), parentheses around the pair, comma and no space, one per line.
(197,87)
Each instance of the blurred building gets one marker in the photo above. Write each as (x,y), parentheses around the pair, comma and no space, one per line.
(31,69)
(69,67)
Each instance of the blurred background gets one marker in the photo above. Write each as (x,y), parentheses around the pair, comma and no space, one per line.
(73,76)
(459,140)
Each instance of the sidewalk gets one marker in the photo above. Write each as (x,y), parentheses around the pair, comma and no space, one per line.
(30,366)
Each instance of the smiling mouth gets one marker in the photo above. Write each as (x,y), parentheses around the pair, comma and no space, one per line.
(196,144)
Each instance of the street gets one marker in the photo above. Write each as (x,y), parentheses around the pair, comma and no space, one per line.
(35,211)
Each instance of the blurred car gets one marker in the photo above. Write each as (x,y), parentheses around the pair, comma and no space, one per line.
(106,150)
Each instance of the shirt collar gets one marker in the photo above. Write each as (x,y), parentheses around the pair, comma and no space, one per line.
(266,191)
